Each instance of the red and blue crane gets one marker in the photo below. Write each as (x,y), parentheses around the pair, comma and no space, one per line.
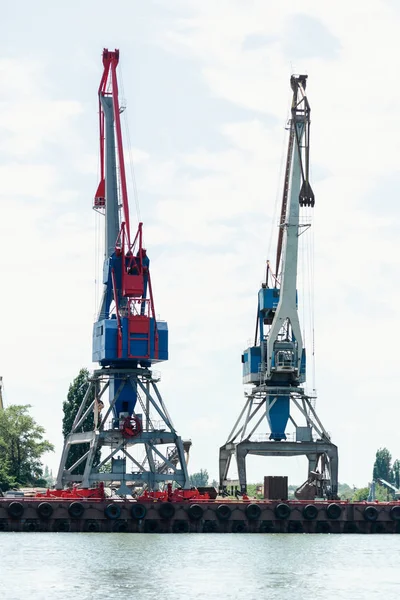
(127,339)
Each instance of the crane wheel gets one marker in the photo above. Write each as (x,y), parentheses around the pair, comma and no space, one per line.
(253,512)
(44,510)
(395,513)
(195,512)
(92,526)
(76,510)
(180,526)
(15,510)
(112,511)
(371,513)
(167,510)
(238,527)
(138,511)
(61,525)
(282,511)
(310,512)
(223,512)
(333,511)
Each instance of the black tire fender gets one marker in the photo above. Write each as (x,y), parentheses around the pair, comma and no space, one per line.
(370,513)
(76,510)
(167,510)
(15,510)
(195,512)
(223,512)
(253,512)
(138,511)
(395,513)
(45,510)
(333,511)
(282,511)
(112,511)
(310,512)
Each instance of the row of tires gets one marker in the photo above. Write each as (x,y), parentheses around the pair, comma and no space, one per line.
(184,526)
(195,512)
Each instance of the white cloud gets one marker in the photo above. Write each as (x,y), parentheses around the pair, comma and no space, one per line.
(211,214)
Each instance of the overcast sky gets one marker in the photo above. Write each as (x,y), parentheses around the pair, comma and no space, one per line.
(207,90)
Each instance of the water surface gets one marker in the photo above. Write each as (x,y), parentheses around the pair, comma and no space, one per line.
(55,566)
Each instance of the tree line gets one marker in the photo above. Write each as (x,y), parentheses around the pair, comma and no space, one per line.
(22,445)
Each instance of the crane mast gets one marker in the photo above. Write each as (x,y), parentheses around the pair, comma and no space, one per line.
(276,364)
(127,338)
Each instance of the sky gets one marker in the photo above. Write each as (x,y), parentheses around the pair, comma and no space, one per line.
(206,85)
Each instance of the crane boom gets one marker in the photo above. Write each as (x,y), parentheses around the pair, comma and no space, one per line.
(126,333)
(279,359)
(276,364)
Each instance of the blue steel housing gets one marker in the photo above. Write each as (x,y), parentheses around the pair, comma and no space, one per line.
(137,348)
(284,357)
(143,340)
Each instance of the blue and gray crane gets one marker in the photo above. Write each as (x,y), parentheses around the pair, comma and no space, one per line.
(128,340)
(275,365)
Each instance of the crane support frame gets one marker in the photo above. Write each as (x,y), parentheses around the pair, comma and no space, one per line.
(166,454)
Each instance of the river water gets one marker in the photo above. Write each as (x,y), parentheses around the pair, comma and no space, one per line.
(83,566)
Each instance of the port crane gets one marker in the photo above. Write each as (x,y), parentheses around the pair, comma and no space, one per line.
(275,365)
(128,340)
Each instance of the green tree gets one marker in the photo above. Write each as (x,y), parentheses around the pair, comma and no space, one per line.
(48,476)
(252,490)
(345,491)
(76,393)
(21,447)
(383,494)
(360,495)
(199,479)
(396,473)
(6,479)
(383,465)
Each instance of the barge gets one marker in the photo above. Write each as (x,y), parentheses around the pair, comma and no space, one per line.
(202,516)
